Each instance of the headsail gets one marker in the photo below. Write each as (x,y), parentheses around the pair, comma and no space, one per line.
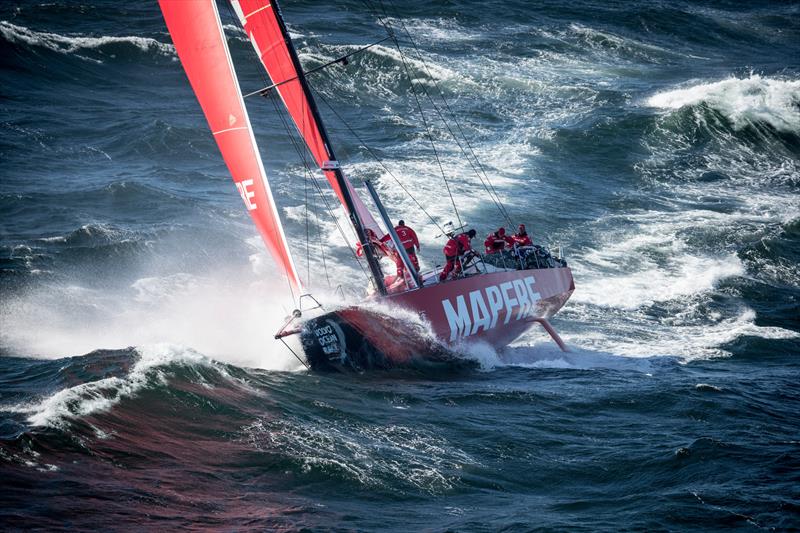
(263,24)
(198,37)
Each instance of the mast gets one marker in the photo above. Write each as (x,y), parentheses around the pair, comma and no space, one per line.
(333,164)
(398,245)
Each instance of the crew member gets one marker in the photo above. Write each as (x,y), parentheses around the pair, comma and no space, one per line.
(521,237)
(408,238)
(498,241)
(456,247)
(378,248)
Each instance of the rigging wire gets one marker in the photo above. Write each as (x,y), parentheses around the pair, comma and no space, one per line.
(321,247)
(422,114)
(309,173)
(308,238)
(305,182)
(493,192)
(485,181)
(315,182)
(373,154)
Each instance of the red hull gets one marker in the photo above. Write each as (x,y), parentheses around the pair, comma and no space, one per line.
(487,319)
(495,308)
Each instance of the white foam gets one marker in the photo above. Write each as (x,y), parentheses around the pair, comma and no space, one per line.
(372,455)
(686,335)
(436,31)
(70,44)
(230,319)
(685,276)
(600,40)
(101,395)
(743,101)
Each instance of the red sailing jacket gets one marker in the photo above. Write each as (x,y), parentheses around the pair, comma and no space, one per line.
(522,240)
(457,245)
(380,249)
(496,243)
(464,245)
(451,248)
(408,238)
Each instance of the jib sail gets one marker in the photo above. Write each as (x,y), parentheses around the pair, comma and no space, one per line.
(199,40)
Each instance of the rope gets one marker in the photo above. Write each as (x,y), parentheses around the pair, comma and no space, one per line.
(315,182)
(295,355)
(422,114)
(321,247)
(484,178)
(490,189)
(374,155)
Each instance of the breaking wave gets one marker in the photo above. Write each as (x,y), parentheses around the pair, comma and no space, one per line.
(150,369)
(90,48)
(743,101)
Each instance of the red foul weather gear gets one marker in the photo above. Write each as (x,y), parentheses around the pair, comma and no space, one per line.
(464,244)
(378,247)
(408,238)
(454,248)
(453,263)
(451,252)
(497,242)
(451,248)
(522,239)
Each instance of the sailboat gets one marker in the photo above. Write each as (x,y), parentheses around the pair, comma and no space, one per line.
(484,303)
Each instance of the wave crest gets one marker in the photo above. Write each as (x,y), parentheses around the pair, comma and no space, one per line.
(101,395)
(70,45)
(743,101)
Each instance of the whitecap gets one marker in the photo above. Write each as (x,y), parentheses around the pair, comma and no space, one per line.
(101,395)
(743,101)
(66,44)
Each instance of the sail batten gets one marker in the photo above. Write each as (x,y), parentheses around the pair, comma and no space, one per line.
(200,42)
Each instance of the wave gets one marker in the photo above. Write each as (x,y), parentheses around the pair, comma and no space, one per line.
(743,101)
(531,352)
(71,45)
(101,395)
(97,234)
(440,31)
(625,48)
(390,457)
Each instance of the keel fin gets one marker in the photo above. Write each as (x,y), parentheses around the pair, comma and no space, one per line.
(552,332)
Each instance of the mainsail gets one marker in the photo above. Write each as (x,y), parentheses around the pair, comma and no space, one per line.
(199,40)
(262,22)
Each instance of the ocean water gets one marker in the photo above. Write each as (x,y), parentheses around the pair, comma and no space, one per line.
(658,143)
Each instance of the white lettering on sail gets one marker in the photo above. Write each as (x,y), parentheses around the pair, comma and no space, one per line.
(247,195)
(460,321)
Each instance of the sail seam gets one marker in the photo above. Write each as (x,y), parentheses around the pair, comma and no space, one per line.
(257,10)
(229,129)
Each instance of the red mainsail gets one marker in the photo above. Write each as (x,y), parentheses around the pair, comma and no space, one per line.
(262,23)
(200,42)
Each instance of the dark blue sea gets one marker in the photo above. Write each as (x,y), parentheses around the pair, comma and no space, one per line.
(657,143)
